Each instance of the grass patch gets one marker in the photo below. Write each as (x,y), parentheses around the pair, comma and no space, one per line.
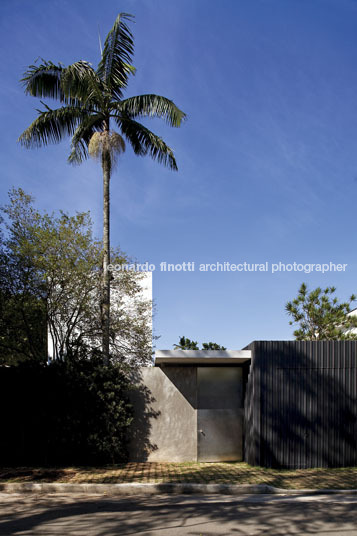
(227,473)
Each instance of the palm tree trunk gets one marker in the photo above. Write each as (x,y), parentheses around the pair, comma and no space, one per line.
(106,258)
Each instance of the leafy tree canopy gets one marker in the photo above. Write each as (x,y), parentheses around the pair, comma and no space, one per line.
(50,278)
(320,316)
(212,346)
(187,344)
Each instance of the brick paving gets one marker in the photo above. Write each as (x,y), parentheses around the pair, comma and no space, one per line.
(225,473)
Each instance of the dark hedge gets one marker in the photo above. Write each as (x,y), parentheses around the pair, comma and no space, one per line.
(63,414)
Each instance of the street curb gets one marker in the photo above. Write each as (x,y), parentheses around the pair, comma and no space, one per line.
(164,488)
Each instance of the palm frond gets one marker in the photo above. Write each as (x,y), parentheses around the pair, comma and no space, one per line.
(52,125)
(81,85)
(91,97)
(44,80)
(144,142)
(79,153)
(152,106)
(82,137)
(115,65)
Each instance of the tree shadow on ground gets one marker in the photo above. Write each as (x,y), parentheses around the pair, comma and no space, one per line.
(183,515)
(18,474)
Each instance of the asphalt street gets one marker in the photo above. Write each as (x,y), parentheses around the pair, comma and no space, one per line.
(177,515)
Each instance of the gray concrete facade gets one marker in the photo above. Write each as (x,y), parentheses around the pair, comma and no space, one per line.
(188,413)
(165,415)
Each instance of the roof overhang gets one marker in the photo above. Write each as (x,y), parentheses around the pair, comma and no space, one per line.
(199,357)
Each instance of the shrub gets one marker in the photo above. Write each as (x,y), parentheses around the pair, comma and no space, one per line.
(65,413)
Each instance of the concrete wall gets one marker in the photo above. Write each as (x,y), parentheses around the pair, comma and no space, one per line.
(165,424)
(187,413)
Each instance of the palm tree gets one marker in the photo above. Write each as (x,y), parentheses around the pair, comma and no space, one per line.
(92,99)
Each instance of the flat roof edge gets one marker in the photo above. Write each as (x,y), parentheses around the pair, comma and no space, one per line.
(207,354)
(191,357)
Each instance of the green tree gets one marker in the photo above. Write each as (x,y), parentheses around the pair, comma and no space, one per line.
(23,330)
(212,346)
(91,100)
(187,344)
(50,278)
(320,315)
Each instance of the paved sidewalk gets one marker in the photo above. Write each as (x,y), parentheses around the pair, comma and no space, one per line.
(194,473)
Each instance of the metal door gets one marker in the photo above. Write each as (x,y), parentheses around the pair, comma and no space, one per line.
(219,414)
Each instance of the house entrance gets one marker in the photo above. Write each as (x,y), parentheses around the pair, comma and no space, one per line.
(219,414)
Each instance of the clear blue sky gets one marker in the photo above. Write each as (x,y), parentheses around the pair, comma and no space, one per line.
(267,159)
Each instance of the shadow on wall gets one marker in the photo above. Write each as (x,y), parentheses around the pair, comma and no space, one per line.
(185,381)
(142,399)
(306,414)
